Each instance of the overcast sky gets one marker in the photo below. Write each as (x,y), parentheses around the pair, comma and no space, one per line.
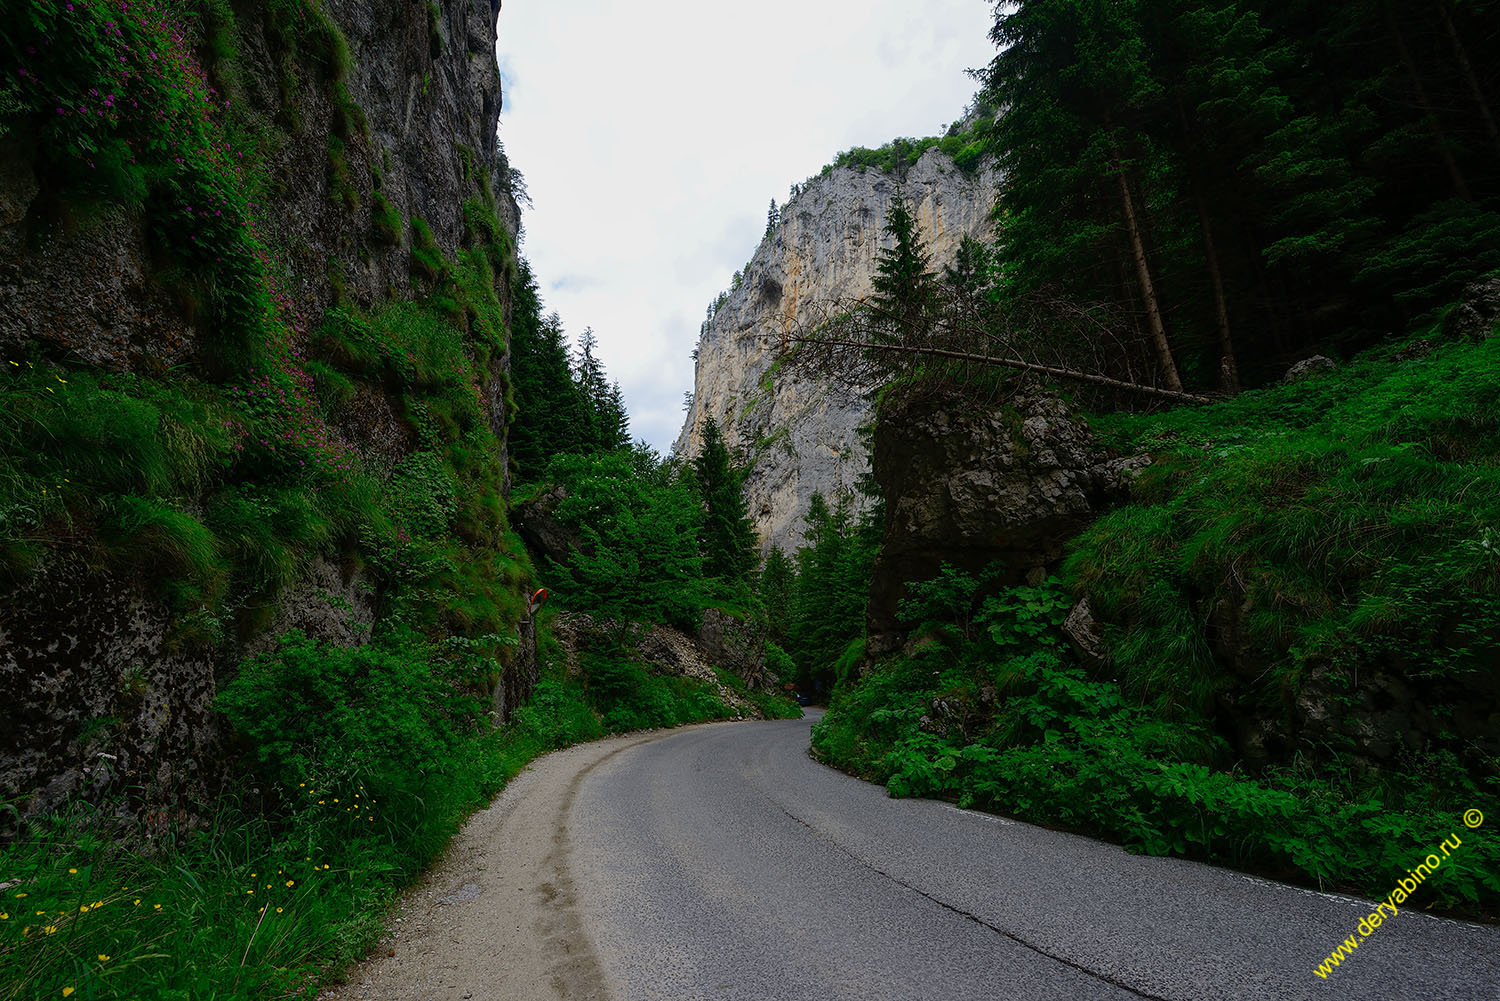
(653,135)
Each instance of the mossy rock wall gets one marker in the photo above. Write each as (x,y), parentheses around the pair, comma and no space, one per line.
(317,411)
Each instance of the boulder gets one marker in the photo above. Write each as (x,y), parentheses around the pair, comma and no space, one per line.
(971,484)
(1308,367)
(1085,635)
(737,645)
(1477,312)
(545,536)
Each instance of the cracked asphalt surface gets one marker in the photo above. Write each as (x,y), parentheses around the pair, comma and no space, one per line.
(722,862)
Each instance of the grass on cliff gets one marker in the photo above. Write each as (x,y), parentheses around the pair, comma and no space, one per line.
(217,482)
(1351,520)
(368,761)
(1334,540)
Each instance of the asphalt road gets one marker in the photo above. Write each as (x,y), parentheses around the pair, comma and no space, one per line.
(723,863)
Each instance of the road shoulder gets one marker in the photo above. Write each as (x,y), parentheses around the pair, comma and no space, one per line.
(497,910)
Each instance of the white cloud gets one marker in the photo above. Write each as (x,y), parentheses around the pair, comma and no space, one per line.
(653,134)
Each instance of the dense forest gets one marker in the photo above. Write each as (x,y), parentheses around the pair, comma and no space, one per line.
(1292,667)
(1244,180)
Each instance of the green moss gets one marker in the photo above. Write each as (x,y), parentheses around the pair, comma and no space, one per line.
(385,221)
(340,181)
(348,117)
(426,256)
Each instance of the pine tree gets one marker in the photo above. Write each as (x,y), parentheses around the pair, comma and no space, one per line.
(550,414)
(588,377)
(905,299)
(777,580)
(728,540)
(614,422)
(832,585)
(638,524)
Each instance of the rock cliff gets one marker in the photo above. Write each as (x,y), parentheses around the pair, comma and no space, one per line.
(372,128)
(800,435)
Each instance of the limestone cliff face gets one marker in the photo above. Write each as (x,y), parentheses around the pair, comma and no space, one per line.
(799,435)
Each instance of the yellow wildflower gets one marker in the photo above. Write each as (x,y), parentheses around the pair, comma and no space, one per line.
(103,958)
(278,910)
(72,872)
(67,991)
(50,929)
(290,882)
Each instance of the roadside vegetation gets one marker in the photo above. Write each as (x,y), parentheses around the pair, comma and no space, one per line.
(221,480)
(370,761)
(990,707)
(1297,607)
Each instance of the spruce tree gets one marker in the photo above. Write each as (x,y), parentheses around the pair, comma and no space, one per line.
(904,301)
(727,540)
(550,413)
(777,580)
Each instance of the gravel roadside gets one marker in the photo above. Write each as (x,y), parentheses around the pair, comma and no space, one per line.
(495,916)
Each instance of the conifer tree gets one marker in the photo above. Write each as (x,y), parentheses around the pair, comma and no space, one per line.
(550,414)
(728,540)
(777,580)
(614,422)
(904,302)
(832,585)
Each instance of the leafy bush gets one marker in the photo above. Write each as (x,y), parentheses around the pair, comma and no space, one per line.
(319,713)
(263,902)
(629,697)
(1004,721)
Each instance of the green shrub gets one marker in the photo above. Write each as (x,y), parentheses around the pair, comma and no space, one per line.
(316,713)
(1004,721)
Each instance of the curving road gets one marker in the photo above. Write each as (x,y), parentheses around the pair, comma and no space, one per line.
(723,863)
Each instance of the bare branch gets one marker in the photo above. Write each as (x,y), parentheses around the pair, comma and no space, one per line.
(1015,363)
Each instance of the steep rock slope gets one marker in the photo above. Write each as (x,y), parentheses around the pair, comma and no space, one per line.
(800,435)
(347,152)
